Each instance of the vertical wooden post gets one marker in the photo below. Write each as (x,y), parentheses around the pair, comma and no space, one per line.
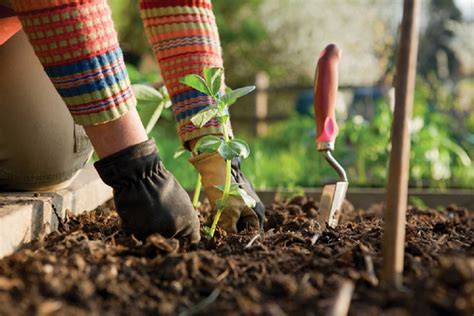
(397,189)
(262,82)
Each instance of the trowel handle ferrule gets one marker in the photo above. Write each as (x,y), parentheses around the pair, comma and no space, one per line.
(325,92)
(324,146)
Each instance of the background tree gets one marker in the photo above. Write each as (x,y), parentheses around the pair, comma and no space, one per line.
(436,56)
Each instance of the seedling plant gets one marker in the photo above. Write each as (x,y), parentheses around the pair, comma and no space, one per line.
(211,85)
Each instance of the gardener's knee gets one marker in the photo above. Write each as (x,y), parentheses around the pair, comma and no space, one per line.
(40,146)
(39,164)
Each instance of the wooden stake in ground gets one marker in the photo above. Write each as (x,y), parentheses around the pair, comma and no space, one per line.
(397,189)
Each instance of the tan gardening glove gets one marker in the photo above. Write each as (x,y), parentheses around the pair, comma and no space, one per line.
(237,215)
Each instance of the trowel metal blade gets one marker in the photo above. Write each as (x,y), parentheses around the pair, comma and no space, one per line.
(332,197)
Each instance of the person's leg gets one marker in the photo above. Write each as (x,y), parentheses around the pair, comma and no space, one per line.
(39,150)
(185,40)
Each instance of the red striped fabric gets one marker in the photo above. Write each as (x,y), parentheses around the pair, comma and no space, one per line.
(184,38)
(76,42)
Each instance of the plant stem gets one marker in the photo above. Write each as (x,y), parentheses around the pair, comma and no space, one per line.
(227,170)
(197,191)
(226,133)
(225,194)
(215,221)
(154,118)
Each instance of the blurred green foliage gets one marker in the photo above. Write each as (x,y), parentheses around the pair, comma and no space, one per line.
(442,126)
(129,26)
(242,35)
(244,40)
(137,77)
(436,56)
(287,157)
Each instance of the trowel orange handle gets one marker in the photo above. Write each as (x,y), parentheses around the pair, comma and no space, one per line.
(325,92)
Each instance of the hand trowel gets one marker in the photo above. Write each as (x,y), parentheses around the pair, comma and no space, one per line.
(325,92)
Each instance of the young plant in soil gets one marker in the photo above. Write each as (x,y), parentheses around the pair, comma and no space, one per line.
(211,85)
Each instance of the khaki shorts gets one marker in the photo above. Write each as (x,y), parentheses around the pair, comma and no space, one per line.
(40,146)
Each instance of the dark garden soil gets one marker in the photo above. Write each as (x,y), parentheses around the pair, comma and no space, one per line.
(90,268)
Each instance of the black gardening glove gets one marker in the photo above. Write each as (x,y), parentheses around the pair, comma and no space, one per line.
(245,184)
(147,196)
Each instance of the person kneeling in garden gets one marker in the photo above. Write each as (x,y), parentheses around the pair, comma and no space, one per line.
(76,45)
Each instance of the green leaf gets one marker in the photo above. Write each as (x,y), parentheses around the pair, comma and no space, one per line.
(166,97)
(213,77)
(248,200)
(202,117)
(208,144)
(179,152)
(147,95)
(134,74)
(154,118)
(235,190)
(230,97)
(168,104)
(151,103)
(223,119)
(457,150)
(196,82)
(234,148)
(227,152)
(220,204)
(221,105)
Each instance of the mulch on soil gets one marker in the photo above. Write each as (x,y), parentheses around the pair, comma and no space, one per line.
(89,267)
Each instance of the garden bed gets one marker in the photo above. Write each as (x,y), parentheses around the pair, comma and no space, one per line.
(90,267)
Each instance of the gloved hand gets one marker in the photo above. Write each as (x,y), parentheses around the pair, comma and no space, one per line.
(237,215)
(147,196)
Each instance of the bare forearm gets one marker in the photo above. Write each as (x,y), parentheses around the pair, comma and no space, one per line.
(116,135)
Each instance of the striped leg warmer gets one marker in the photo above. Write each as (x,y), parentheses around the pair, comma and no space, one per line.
(76,42)
(184,37)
